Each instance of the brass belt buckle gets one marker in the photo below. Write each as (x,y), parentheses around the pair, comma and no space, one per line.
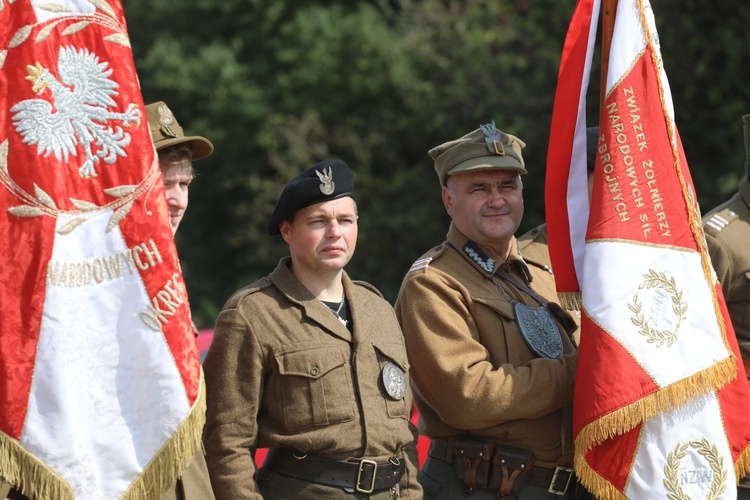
(553,484)
(362,464)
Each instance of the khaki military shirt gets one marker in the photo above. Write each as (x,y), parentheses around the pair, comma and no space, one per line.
(472,372)
(533,247)
(283,371)
(727,229)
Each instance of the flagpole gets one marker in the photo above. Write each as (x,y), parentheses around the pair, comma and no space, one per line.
(609,10)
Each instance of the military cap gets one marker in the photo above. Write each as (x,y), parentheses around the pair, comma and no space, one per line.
(484,148)
(592,144)
(324,181)
(165,131)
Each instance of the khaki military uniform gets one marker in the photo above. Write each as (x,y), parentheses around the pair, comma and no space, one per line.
(282,371)
(727,229)
(533,246)
(472,372)
(194,484)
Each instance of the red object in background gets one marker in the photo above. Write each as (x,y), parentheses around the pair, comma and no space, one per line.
(204,339)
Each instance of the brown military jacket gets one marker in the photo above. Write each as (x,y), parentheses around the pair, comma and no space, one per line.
(727,229)
(283,371)
(533,246)
(472,372)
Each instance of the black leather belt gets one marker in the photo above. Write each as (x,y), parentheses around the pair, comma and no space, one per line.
(362,475)
(558,480)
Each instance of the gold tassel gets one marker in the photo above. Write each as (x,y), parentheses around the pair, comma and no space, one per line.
(570,300)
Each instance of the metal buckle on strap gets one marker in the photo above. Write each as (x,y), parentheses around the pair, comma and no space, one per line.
(559,473)
(362,464)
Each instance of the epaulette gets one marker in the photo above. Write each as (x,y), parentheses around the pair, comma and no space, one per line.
(538,233)
(719,220)
(252,288)
(368,286)
(424,261)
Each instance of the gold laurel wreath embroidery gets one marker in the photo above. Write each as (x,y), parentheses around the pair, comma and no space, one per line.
(42,203)
(656,279)
(104,15)
(715,461)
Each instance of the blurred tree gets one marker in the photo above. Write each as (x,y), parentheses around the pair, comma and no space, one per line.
(278,85)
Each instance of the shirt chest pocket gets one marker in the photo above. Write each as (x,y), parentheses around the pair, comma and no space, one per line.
(316,387)
(394,382)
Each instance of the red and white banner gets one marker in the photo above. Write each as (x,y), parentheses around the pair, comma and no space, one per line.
(658,361)
(100,382)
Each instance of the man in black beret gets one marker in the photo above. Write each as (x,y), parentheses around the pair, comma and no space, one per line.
(311,365)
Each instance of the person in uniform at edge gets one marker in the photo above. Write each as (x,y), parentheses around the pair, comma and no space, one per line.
(727,229)
(176,154)
(312,365)
(492,358)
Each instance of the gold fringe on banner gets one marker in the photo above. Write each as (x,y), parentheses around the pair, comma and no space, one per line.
(570,301)
(174,457)
(596,484)
(32,477)
(742,464)
(673,396)
(25,472)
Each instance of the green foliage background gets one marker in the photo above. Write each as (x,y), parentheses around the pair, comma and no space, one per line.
(278,85)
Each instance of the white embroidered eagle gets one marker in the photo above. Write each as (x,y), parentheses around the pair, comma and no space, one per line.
(78,113)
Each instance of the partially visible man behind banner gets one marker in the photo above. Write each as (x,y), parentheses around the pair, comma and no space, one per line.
(659,408)
(100,385)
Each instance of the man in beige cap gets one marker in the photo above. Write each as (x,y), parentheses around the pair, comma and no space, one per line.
(492,360)
(727,229)
(176,154)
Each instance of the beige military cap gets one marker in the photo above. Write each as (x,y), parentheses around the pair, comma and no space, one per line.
(484,148)
(166,131)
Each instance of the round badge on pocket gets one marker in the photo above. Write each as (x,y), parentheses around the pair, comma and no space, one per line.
(394,381)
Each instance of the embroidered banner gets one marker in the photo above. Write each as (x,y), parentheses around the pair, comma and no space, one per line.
(100,382)
(658,359)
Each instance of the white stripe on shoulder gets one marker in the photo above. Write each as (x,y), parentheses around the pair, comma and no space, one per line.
(717,222)
(420,264)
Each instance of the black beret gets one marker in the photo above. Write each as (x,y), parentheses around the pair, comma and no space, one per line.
(324,181)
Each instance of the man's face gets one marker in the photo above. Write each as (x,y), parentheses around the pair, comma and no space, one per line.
(322,237)
(177,179)
(486,206)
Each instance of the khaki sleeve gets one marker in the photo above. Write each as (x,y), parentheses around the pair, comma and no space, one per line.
(451,369)
(720,262)
(234,382)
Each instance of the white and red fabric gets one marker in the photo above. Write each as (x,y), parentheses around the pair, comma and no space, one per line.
(660,391)
(100,383)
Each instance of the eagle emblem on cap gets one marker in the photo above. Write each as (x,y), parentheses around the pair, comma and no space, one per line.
(166,118)
(493,138)
(326,178)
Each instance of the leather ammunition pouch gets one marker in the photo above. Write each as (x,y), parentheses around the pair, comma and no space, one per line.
(478,463)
